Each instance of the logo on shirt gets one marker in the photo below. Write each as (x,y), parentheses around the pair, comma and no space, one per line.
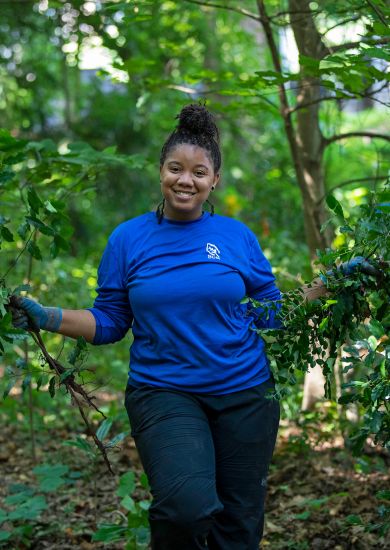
(212,251)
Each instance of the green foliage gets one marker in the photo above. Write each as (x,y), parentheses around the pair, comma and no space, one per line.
(25,504)
(136,532)
(355,315)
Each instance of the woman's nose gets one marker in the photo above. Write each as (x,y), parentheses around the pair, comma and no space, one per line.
(185,178)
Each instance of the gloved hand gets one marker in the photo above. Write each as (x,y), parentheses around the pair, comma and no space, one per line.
(29,315)
(358,264)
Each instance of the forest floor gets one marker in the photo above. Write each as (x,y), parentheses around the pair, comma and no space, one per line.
(319,496)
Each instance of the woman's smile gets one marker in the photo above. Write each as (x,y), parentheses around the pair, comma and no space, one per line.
(187,177)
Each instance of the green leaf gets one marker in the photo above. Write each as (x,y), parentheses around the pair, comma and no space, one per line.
(41,226)
(50,476)
(378,53)
(81,444)
(34,250)
(117,439)
(23,230)
(109,533)
(9,387)
(384,494)
(304,515)
(3,516)
(376,328)
(144,481)
(335,206)
(49,207)
(126,484)
(30,509)
(51,470)
(52,386)
(33,200)
(5,535)
(6,234)
(128,503)
(353,519)
(103,429)
(323,324)
(21,288)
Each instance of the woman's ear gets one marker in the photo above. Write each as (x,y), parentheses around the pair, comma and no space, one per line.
(216,179)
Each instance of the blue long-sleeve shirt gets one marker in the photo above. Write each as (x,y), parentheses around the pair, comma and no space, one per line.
(179,285)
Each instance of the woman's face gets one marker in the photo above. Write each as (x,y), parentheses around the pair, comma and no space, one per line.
(186,179)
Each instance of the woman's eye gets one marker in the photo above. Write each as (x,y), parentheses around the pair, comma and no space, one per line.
(199,174)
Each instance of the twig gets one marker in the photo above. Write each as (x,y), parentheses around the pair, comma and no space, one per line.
(379,13)
(75,390)
(230,8)
(337,137)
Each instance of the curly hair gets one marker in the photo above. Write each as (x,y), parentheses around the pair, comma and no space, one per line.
(196,126)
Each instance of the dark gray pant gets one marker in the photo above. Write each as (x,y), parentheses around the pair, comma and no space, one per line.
(206,458)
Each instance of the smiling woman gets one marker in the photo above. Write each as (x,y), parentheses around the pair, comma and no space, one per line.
(196,395)
(189,164)
(187,178)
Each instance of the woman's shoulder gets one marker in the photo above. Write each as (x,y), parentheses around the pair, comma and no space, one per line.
(132,226)
(231,224)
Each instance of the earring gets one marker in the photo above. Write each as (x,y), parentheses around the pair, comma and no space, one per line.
(212,187)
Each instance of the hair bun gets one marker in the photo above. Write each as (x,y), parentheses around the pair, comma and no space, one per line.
(196,119)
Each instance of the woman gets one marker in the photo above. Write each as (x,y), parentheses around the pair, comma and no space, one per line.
(198,391)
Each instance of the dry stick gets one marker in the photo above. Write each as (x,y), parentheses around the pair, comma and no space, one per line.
(73,389)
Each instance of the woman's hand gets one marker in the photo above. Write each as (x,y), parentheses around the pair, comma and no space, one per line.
(357,264)
(29,315)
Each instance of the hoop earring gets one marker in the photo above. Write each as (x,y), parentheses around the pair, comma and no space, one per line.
(160,211)
(212,187)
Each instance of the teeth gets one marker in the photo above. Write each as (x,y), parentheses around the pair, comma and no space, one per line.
(183,194)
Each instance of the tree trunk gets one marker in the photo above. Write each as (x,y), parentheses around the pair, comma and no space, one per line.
(306,143)
(309,139)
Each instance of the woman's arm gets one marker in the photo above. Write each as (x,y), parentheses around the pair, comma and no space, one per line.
(76,323)
(29,315)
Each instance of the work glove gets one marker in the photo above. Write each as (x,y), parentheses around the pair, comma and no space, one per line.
(29,315)
(356,265)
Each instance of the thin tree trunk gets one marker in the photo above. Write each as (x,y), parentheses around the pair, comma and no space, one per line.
(306,145)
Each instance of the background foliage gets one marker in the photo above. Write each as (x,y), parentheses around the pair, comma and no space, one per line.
(89,91)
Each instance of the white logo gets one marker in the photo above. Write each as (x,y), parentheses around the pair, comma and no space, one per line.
(212,251)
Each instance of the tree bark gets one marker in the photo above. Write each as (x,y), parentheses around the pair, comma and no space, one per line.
(305,138)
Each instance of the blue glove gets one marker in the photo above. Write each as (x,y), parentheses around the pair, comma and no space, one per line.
(358,264)
(29,315)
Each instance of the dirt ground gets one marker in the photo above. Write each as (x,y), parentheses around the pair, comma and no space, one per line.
(319,496)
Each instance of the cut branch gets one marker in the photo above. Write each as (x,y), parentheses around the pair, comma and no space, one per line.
(241,11)
(338,137)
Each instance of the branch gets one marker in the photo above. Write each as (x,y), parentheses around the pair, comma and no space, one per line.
(378,12)
(351,45)
(353,180)
(341,23)
(369,95)
(338,137)
(314,102)
(237,10)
